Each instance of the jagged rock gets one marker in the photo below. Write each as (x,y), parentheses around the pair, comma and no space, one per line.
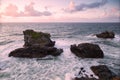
(106,34)
(33,38)
(35,52)
(103,72)
(37,45)
(87,50)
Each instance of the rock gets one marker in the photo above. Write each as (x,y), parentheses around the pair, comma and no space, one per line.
(33,38)
(103,72)
(106,34)
(84,78)
(37,45)
(116,78)
(87,50)
(35,52)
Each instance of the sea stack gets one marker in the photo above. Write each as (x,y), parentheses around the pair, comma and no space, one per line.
(87,50)
(37,45)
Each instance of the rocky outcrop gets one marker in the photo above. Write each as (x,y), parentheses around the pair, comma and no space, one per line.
(35,52)
(87,50)
(37,45)
(106,34)
(116,78)
(33,38)
(103,72)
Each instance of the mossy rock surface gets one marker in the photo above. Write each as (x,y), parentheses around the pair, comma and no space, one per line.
(33,38)
(36,35)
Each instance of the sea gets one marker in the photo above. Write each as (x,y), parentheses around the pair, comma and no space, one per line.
(67,65)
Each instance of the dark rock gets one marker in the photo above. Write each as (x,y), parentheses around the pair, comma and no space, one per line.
(84,78)
(37,45)
(81,68)
(106,34)
(87,50)
(116,78)
(103,72)
(35,52)
(33,38)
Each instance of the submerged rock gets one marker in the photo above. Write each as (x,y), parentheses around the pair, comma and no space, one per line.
(106,34)
(37,45)
(103,72)
(33,38)
(87,50)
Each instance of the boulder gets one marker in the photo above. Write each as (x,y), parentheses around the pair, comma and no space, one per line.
(33,38)
(35,52)
(116,78)
(103,72)
(37,45)
(87,50)
(106,34)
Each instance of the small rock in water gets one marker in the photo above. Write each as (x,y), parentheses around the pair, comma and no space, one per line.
(81,68)
(106,34)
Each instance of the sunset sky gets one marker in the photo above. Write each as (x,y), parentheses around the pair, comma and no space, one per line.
(59,10)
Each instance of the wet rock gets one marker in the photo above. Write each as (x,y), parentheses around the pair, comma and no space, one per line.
(116,78)
(35,52)
(103,72)
(33,38)
(87,50)
(37,45)
(84,78)
(106,34)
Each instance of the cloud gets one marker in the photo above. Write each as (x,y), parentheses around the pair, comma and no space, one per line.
(29,10)
(11,10)
(82,7)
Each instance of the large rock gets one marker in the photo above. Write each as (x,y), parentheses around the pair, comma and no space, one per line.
(33,38)
(106,34)
(37,45)
(116,78)
(103,72)
(87,50)
(35,52)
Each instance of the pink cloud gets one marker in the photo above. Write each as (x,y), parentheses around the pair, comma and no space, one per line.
(11,10)
(29,10)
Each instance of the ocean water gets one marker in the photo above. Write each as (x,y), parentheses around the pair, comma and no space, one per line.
(65,66)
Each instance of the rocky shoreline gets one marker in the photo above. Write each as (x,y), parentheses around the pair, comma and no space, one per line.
(39,45)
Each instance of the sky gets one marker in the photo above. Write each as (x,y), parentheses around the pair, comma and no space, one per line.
(59,10)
